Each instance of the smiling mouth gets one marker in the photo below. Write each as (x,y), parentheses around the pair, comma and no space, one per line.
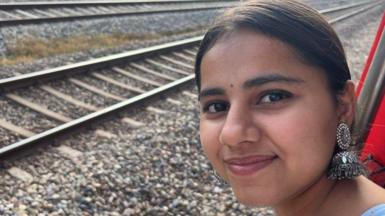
(248,165)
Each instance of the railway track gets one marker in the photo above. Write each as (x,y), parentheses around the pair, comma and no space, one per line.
(77,95)
(42,12)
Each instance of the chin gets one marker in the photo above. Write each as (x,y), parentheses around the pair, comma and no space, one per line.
(252,198)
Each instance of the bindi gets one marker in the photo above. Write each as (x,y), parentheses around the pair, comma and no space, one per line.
(231,85)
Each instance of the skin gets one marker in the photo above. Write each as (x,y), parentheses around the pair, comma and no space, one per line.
(259,99)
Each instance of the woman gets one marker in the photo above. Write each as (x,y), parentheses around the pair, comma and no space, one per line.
(277,105)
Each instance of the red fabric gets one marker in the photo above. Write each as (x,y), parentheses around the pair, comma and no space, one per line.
(374,149)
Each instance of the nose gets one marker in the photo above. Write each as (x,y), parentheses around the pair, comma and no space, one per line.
(239,127)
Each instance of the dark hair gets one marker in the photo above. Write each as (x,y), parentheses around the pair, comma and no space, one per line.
(294,23)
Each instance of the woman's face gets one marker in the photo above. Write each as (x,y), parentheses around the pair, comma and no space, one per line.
(268,121)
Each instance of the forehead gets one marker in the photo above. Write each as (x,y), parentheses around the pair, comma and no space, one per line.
(248,45)
(243,54)
(248,37)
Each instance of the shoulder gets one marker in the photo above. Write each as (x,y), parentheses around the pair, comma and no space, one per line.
(378,210)
(354,197)
(365,197)
(374,197)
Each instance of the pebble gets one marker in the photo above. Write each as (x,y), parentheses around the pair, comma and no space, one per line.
(20,174)
(3,47)
(156,169)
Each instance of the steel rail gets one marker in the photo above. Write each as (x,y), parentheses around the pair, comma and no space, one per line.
(93,117)
(12,83)
(339,8)
(345,16)
(43,4)
(86,120)
(26,5)
(7,22)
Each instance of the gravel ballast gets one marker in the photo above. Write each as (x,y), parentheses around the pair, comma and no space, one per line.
(157,169)
(24,117)
(357,38)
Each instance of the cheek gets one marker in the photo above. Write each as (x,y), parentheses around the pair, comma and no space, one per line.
(209,134)
(307,138)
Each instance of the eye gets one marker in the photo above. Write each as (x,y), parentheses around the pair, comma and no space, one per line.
(274,96)
(215,107)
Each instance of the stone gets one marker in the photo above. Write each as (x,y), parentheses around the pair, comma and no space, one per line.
(20,174)
(3,46)
(69,152)
(105,134)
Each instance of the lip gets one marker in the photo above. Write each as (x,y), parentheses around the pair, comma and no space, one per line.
(243,166)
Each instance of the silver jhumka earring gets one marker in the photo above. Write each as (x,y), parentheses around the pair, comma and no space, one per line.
(345,164)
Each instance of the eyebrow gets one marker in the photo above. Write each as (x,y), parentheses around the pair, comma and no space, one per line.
(210,92)
(258,81)
(270,78)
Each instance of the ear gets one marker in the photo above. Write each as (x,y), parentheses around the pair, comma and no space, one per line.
(347,103)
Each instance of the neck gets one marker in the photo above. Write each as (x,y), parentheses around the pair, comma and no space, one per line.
(308,201)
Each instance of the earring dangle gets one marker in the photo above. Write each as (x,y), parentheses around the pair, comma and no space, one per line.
(345,164)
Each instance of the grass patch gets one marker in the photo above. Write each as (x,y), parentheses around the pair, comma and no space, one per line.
(30,49)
